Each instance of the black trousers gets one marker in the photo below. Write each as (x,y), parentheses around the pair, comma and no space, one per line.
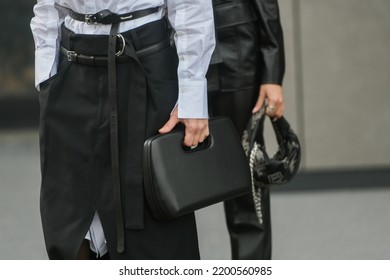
(249,239)
(75,149)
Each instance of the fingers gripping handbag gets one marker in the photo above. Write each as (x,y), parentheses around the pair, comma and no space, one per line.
(180,180)
(266,171)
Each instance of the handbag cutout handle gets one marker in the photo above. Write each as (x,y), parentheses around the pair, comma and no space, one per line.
(201,146)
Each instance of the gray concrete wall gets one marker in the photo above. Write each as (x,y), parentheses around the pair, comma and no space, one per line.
(337,80)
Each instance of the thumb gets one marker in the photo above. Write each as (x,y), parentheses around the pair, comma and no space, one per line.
(170,124)
(260,101)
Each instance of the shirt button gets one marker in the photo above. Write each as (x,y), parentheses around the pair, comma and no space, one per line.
(182,58)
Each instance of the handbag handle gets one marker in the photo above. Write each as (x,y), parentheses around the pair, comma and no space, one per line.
(201,146)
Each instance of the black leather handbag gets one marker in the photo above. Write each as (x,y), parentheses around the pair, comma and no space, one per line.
(179,180)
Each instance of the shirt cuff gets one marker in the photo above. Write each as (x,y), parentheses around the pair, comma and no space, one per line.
(45,64)
(192,100)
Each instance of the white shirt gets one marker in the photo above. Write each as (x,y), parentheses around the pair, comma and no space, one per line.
(195,40)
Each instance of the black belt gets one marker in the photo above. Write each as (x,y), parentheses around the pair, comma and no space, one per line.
(90,59)
(114,137)
(102,60)
(108,17)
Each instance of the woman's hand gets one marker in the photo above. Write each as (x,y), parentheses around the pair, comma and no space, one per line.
(196,130)
(275,102)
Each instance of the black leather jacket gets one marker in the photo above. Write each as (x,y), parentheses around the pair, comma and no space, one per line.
(249,49)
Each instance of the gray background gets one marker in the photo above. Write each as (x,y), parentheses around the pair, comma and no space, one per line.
(337,99)
(337,80)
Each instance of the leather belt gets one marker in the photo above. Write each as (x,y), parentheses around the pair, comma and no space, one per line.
(114,142)
(102,60)
(108,17)
(72,56)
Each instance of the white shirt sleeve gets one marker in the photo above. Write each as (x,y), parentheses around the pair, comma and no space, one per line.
(195,41)
(45,27)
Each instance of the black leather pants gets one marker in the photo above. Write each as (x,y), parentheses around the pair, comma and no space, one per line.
(249,239)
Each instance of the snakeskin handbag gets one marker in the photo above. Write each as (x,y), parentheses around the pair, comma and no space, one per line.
(267,171)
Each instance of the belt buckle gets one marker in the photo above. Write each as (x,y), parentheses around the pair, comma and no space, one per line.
(72,56)
(88,19)
(120,52)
